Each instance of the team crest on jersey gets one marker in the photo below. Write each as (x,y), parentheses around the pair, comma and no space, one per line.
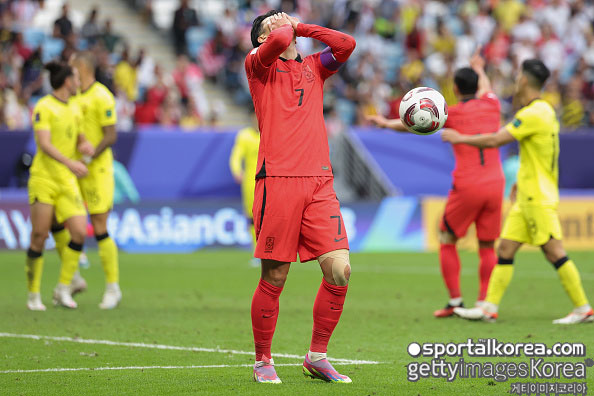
(108,113)
(516,122)
(37,117)
(308,73)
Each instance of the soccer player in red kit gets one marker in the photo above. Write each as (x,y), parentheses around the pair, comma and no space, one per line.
(295,207)
(477,189)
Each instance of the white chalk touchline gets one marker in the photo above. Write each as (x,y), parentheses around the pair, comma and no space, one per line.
(170,347)
(60,369)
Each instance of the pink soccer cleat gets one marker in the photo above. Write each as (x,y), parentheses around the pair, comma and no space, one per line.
(264,372)
(322,369)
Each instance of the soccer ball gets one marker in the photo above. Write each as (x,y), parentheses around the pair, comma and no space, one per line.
(423,111)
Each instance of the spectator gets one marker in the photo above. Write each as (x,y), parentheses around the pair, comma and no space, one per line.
(90,30)
(110,40)
(184,18)
(573,112)
(64,23)
(124,76)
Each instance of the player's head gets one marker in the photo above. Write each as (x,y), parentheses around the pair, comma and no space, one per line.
(63,76)
(466,82)
(534,75)
(259,30)
(84,62)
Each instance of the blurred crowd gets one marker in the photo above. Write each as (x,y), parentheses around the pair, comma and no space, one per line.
(400,44)
(406,43)
(31,34)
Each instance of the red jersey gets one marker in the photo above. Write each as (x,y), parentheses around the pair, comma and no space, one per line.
(288,99)
(474,117)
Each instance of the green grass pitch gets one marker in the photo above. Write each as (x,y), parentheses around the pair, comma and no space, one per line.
(203,300)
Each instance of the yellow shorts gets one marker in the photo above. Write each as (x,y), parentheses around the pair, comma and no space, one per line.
(532,224)
(97,188)
(64,197)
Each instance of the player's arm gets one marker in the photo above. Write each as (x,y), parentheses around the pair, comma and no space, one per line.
(279,39)
(383,122)
(477,63)
(236,159)
(44,139)
(110,136)
(340,45)
(488,140)
(108,120)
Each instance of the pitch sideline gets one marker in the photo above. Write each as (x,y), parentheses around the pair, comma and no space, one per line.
(162,347)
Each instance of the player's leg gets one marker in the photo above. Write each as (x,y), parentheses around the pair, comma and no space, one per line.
(488,228)
(487,262)
(277,210)
(571,281)
(500,278)
(449,263)
(62,238)
(461,209)
(41,220)
(108,254)
(323,237)
(70,210)
(515,233)
(327,310)
(328,305)
(70,257)
(264,316)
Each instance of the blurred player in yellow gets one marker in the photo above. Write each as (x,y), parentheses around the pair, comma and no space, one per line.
(243,162)
(533,218)
(99,125)
(54,194)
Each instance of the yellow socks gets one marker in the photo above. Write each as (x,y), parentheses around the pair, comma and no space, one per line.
(108,253)
(500,278)
(61,237)
(570,279)
(34,270)
(70,257)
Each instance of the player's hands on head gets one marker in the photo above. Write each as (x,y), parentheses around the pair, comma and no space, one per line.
(477,62)
(78,168)
(450,135)
(294,20)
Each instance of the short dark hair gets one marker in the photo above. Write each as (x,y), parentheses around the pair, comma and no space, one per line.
(536,71)
(59,72)
(87,58)
(257,27)
(466,80)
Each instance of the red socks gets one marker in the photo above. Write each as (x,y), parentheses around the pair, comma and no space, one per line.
(326,313)
(264,316)
(450,268)
(488,261)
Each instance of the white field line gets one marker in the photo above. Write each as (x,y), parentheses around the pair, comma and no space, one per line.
(170,347)
(61,369)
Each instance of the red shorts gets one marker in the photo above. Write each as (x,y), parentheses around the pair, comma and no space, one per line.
(475,203)
(297,215)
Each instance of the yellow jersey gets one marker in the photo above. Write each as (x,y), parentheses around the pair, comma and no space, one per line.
(63,121)
(98,109)
(244,155)
(536,129)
